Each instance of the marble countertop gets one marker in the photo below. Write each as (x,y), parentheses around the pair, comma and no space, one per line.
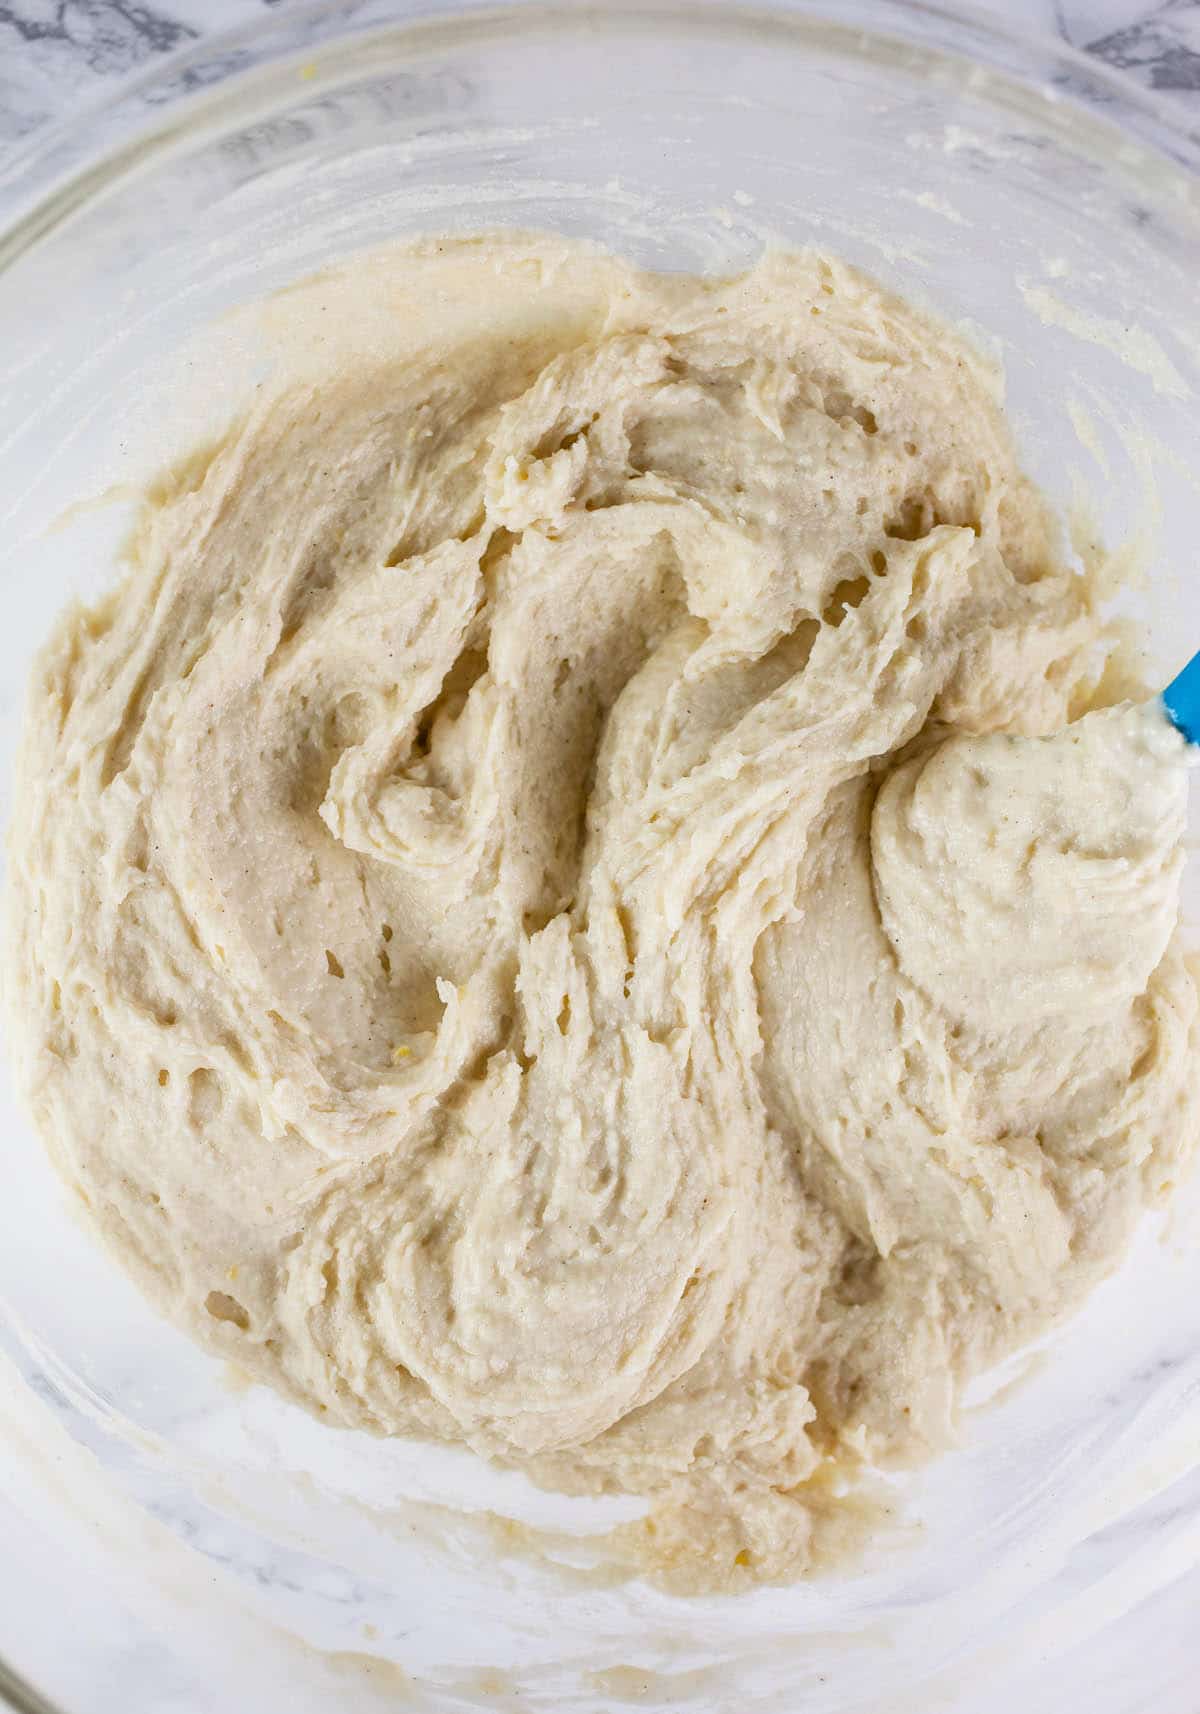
(56,53)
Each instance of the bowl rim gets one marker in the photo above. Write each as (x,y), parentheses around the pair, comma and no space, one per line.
(194,82)
(198,82)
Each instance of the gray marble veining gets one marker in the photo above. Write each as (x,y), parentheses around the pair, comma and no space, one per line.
(57,54)
(1162,48)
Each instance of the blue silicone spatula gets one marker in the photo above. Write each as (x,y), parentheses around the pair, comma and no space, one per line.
(1181,699)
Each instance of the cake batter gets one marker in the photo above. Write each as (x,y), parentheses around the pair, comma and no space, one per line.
(571,900)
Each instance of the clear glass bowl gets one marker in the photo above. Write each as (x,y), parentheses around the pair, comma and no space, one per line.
(174,1543)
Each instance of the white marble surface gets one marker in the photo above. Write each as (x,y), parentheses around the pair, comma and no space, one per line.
(55,54)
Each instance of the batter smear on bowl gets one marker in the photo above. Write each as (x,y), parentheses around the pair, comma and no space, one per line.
(560,906)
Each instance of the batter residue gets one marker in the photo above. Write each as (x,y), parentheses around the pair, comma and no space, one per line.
(541,915)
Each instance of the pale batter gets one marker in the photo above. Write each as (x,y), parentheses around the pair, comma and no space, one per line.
(537,918)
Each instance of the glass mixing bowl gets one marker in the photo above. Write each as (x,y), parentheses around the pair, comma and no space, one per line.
(177,1542)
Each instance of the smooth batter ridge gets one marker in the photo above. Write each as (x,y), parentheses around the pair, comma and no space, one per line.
(540,913)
